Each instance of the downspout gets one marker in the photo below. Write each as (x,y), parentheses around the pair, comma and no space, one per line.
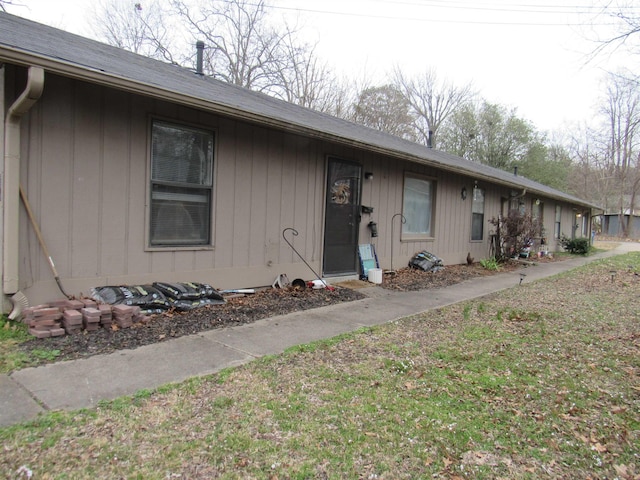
(11,196)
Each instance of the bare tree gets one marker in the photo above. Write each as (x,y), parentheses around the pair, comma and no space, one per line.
(592,176)
(5,3)
(140,27)
(347,93)
(607,156)
(489,133)
(242,47)
(385,108)
(304,79)
(614,169)
(340,98)
(623,18)
(621,110)
(432,101)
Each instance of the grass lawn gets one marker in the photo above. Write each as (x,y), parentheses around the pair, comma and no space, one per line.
(539,381)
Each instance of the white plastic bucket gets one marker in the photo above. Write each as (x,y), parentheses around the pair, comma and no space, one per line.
(375,275)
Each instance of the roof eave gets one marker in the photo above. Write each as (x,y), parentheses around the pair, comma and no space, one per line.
(100,77)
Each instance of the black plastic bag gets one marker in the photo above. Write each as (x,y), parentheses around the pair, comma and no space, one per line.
(190,291)
(146,297)
(426,261)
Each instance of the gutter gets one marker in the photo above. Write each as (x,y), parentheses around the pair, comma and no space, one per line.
(11,196)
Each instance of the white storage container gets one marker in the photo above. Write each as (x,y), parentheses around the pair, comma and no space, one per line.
(375,275)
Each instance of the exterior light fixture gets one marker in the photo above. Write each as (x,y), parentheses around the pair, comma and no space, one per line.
(368,175)
(373,226)
(463,193)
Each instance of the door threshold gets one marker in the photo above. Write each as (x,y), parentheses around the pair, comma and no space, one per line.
(341,278)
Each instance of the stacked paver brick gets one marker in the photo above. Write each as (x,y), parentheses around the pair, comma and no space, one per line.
(71,317)
(106,316)
(123,315)
(90,319)
(138,316)
(72,321)
(89,303)
(44,321)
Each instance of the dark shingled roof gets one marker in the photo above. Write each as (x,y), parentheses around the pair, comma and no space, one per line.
(26,43)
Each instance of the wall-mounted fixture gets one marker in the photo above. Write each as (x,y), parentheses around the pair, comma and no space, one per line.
(374,228)
(463,193)
(367,210)
(537,201)
(368,175)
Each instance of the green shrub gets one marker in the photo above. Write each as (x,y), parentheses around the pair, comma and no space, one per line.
(10,330)
(576,246)
(490,264)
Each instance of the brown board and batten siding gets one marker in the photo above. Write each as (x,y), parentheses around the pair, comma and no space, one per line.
(86,172)
(85,156)
(86,166)
(452,231)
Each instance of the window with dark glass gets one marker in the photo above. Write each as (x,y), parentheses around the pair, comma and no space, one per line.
(181,185)
(477,214)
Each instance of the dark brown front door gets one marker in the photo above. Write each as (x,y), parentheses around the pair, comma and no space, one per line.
(342,218)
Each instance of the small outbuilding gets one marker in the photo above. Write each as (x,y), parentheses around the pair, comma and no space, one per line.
(610,225)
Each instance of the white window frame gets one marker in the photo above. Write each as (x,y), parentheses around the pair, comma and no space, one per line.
(418,187)
(188,196)
(557,225)
(537,214)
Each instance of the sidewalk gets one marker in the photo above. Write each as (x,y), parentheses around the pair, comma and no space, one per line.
(83,383)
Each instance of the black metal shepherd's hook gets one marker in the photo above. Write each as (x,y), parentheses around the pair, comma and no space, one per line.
(294,232)
(404,220)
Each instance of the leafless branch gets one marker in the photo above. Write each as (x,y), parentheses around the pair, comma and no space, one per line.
(432,100)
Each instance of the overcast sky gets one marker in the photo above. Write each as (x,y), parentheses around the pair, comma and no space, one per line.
(527,54)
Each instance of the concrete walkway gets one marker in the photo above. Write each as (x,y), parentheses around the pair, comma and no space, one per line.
(83,383)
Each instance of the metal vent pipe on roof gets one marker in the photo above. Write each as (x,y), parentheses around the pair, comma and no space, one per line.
(430,139)
(515,170)
(199,57)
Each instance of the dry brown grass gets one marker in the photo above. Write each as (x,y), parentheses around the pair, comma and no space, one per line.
(539,381)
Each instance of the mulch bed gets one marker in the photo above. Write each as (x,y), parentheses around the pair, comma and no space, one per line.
(411,279)
(243,310)
(237,311)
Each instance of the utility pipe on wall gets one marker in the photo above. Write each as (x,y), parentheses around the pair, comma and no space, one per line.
(11,190)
